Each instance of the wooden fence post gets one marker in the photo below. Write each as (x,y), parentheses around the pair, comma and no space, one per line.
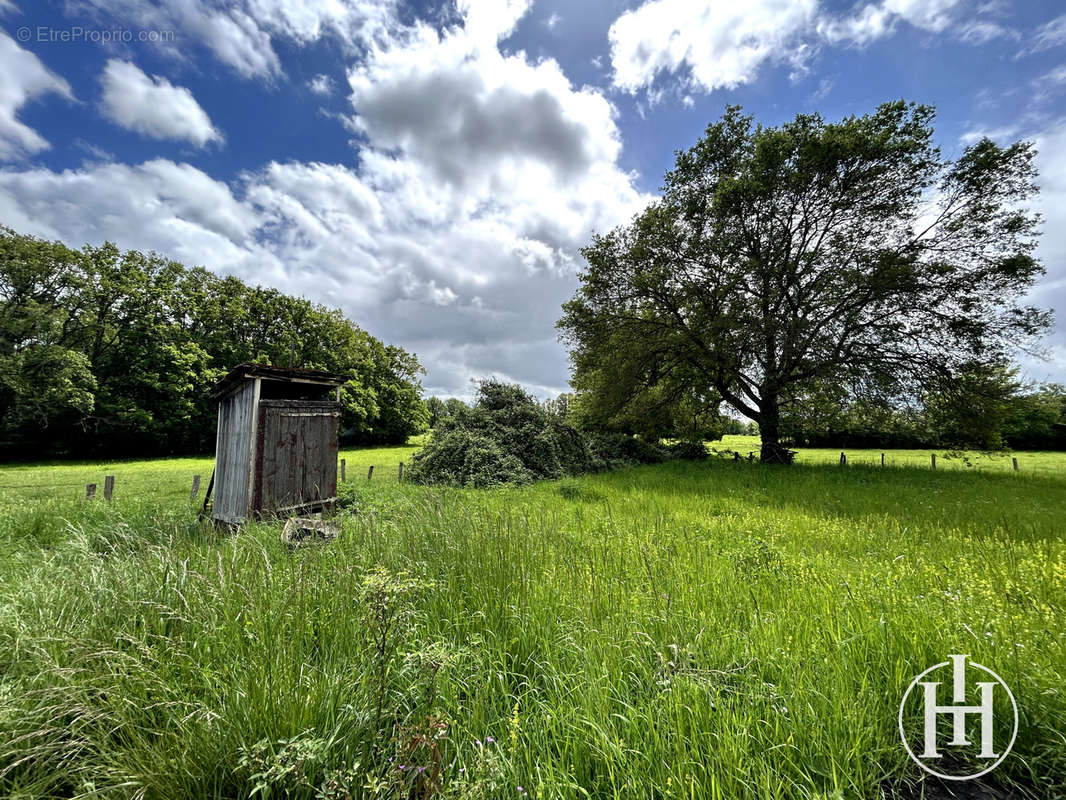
(932,457)
(400,476)
(109,487)
(344,472)
(195,488)
(370,472)
(1015,462)
(843,460)
(882,459)
(90,491)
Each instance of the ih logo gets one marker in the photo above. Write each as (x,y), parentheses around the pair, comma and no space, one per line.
(936,701)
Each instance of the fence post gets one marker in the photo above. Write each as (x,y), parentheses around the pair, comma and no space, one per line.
(344,472)
(882,459)
(90,491)
(1015,461)
(109,487)
(843,460)
(370,472)
(195,487)
(400,476)
(932,457)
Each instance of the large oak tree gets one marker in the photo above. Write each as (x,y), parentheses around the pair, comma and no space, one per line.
(850,252)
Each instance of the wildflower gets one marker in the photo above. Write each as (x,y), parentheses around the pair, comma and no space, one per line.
(514,726)
(489,740)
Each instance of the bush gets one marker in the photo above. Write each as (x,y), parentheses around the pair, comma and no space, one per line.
(466,458)
(617,449)
(508,437)
(687,451)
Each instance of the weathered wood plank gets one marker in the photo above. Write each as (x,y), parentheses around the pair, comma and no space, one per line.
(232,468)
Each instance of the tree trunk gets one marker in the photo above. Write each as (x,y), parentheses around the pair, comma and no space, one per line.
(773,452)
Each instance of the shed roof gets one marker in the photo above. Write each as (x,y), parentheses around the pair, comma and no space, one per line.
(246,371)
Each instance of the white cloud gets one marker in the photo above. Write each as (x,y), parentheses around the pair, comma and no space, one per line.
(310,20)
(1048,85)
(153,106)
(22,78)
(825,86)
(1051,292)
(94,152)
(487,21)
(321,85)
(877,20)
(723,44)
(477,120)
(552,21)
(930,15)
(1050,34)
(173,208)
(241,34)
(872,22)
(981,31)
(480,176)
(1001,134)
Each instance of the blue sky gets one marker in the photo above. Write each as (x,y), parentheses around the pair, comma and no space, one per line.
(434,169)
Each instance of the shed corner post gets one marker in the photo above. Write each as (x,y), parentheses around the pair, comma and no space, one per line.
(253,447)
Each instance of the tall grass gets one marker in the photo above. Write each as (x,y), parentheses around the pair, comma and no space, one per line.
(717,630)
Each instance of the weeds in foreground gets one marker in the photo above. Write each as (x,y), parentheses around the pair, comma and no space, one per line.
(698,631)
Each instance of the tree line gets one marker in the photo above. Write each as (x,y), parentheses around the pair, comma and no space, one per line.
(985,409)
(110,352)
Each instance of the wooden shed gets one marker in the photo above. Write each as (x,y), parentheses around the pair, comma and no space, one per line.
(276,450)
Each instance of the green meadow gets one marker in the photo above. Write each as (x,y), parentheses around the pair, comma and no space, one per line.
(686,630)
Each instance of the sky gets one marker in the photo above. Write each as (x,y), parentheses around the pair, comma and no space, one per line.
(434,169)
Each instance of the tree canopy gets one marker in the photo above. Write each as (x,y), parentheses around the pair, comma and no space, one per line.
(113,352)
(848,253)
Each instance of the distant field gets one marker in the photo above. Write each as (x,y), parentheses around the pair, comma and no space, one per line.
(169,478)
(1029,461)
(172,477)
(716,630)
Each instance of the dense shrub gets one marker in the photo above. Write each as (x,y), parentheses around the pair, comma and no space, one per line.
(618,448)
(509,437)
(506,437)
(466,458)
(687,451)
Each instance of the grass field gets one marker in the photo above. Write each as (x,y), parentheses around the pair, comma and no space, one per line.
(718,630)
